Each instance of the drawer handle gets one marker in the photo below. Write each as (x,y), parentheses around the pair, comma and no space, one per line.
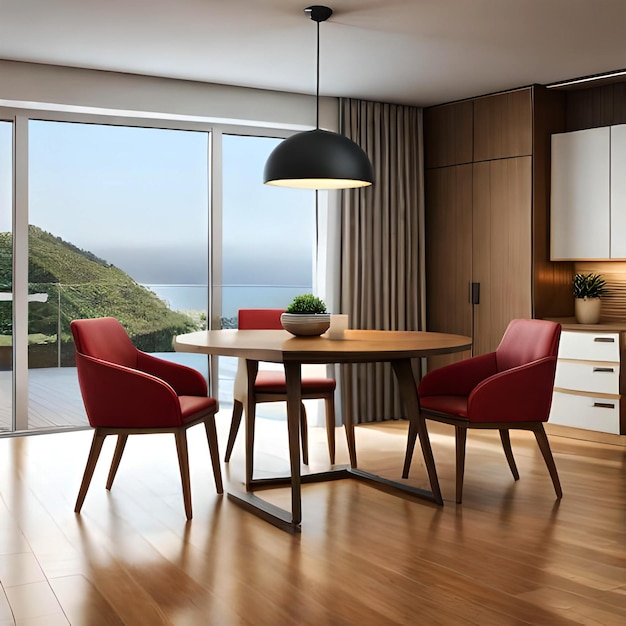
(609,370)
(604,339)
(604,405)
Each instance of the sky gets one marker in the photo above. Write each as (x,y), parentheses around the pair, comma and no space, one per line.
(138,198)
(6,184)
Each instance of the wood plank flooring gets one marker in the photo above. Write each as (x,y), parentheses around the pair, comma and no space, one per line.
(510,554)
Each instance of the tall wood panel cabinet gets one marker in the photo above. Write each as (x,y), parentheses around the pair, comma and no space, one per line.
(501,247)
(487,215)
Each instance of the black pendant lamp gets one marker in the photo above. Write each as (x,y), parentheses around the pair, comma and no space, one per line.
(318,159)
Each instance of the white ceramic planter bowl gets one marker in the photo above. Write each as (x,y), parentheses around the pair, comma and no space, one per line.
(302,324)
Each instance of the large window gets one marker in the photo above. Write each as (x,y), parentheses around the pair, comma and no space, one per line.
(124,221)
(268,240)
(268,233)
(118,225)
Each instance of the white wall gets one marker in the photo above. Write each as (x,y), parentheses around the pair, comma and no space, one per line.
(73,90)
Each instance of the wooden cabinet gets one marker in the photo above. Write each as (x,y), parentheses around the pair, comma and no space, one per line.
(486,222)
(587,383)
(503,125)
(502,247)
(448,134)
(449,252)
(588,199)
(478,230)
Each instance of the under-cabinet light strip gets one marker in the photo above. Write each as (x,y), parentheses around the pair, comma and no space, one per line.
(587,79)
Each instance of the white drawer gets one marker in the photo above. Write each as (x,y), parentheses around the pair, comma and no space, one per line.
(589,346)
(587,376)
(591,413)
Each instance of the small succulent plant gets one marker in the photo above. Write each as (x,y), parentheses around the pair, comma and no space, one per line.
(306,303)
(589,286)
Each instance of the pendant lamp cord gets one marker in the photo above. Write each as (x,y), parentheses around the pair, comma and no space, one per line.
(317,82)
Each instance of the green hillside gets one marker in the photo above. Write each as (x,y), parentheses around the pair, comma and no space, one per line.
(80,285)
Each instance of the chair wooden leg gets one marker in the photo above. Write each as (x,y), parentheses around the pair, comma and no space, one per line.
(329,405)
(92,459)
(211,435)
(304,435)
(234,428)
(461,437)
(544,446)
(508,451)
(183,462)
(117,457)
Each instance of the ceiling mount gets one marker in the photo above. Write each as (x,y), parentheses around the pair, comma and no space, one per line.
(318,13)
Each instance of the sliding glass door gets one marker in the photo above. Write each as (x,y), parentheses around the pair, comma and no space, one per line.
(267,241)
(125,221)
(268,233)
(118,225)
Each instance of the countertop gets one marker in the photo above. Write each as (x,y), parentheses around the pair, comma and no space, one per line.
(570,323)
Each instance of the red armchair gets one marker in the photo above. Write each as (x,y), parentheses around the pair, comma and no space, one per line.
(270,386)
(510,388)
(126,391)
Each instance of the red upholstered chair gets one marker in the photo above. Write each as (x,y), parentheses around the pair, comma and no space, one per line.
(506,389)
(127,392)
(270,386)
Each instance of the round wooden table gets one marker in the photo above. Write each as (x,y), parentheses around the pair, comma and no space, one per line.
(357,346)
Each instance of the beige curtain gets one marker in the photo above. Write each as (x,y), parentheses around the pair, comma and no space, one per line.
(381,264)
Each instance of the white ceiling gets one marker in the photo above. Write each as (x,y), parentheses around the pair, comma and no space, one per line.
(404,51)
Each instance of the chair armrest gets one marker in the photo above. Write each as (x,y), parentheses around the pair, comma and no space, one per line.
(458,379)
(520,394)
(185,381)
(141,400)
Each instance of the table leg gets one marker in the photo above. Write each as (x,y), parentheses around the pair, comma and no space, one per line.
(252,367)
(293,376)
(289,521)
(348,411)
(417,423)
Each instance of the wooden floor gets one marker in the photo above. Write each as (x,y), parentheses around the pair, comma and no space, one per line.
(510,554)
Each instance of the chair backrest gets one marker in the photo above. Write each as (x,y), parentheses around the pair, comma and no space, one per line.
(526,340)
(260,319)
(104,338)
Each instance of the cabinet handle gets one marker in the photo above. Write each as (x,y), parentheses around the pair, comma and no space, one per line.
(609,370)
(604,339)
(604,405)
(475,293)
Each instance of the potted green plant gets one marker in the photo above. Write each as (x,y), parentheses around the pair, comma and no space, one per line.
(588,289)
(306,315)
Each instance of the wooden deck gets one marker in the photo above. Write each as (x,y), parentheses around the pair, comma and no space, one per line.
(55,402)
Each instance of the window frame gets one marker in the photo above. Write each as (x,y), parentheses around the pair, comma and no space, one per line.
(20,117)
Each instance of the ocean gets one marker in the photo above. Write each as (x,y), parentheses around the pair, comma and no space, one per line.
(234,297)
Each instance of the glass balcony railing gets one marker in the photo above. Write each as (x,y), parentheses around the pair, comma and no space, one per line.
(159,313)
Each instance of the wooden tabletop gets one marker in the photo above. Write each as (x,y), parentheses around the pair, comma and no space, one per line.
(279,346)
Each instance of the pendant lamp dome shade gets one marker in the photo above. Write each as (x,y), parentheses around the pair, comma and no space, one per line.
(318,159)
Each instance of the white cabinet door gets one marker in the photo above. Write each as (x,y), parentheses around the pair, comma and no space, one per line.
(618,192)
(579,205)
